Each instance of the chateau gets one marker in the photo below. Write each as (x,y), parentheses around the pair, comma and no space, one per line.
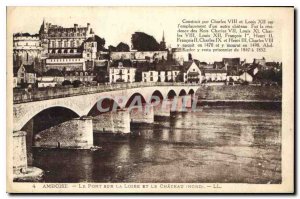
(56,39)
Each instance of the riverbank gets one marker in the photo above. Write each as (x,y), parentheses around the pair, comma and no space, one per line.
(239,93)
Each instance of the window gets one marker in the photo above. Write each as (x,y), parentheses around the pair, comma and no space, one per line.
(66,44)
(151,73)
(151,79)
(53,44)
(128,78)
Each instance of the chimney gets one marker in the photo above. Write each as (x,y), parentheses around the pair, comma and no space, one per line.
(88,25)
(75,26)
(181,61)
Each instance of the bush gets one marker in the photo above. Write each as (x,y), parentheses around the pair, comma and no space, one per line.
(77,83)
(66,83)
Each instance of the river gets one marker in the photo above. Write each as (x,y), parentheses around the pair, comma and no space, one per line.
(213,145)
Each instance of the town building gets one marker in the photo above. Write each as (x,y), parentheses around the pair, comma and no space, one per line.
(140,55)
(154,76)
(55,77)
(215,75)
(82,76)
(246,77)
(192,72)
(68,62)
(15,82)
(25,74)
(90,49)
(261,61)
(26,49)
(47,82)
(122,71)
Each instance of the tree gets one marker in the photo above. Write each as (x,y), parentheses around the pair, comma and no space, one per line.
(144,42)
(66,83)
(122,47)
(101,77)
(100,43)
(112,48)
(76,83)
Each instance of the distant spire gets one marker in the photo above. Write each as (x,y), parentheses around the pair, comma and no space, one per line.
(163,37)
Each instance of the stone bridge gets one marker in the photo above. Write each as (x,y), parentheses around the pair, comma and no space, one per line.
(78,132)
(26,106)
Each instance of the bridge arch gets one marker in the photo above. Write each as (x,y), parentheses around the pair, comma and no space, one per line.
(154,96)
(171,94)
(135,99)
(50,117)
(30,112)
(191,91)
(182,92)
(103,105)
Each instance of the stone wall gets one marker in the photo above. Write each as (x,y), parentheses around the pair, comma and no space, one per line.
(75,133)
(240,92)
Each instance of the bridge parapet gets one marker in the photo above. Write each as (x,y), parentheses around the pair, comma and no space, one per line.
(23,96)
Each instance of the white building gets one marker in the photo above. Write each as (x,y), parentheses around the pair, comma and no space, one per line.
(246,77)
(90,49)
(172,75)
(15,82)
(44,84)
(233,78)
(215,75)
(192,73)
(160,76)
(122,72)
(25,74)
(154,76)
(26,48)
(66,62)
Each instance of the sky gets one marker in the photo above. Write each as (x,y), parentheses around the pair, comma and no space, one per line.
(116,24)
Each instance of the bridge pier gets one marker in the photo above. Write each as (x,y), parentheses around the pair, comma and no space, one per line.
(19,152)
(142,114)
(181,103)
(163,109)
(75,133)
(21,170)
(112,122)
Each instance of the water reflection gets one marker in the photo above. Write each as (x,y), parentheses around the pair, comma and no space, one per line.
(212,145)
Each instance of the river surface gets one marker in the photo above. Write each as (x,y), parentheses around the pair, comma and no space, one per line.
(212,145)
